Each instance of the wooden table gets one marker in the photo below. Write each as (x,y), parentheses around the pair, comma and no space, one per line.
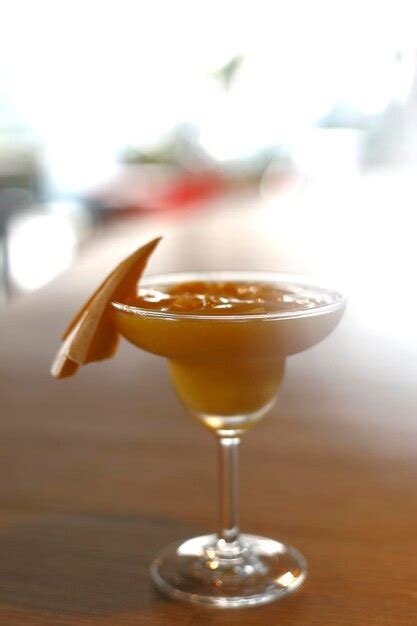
(99,471)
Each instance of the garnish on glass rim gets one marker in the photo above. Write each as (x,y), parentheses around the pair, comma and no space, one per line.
(91,335)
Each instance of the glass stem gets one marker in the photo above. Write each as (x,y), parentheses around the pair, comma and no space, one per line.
(228,450)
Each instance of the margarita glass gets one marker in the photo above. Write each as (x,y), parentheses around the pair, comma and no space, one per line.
(227,369)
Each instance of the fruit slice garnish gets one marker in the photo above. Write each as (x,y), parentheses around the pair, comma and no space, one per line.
(91,335)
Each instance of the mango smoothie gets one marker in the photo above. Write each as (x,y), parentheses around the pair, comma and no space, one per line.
(226,338)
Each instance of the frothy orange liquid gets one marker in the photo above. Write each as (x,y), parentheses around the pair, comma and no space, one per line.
(228,298)
(227,370)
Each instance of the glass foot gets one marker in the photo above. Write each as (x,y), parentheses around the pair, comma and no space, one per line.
(207,570)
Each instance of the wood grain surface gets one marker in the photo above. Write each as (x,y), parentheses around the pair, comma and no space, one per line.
(98,472)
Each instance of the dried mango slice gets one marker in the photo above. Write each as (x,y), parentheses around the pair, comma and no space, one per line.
(91,335)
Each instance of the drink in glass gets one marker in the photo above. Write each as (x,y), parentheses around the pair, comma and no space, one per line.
(226,336)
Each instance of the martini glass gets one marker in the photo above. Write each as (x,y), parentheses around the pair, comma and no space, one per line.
(227,369)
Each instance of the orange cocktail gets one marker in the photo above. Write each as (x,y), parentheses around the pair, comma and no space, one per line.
(226,336)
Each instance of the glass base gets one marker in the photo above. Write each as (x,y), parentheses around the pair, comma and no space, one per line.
(248,572)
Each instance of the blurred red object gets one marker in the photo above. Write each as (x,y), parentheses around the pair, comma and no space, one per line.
(143,188)
(190,188)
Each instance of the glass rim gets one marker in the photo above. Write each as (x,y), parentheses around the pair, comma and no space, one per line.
(301,280)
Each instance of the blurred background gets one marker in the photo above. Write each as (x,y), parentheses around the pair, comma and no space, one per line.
(252,134)
(155,110)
